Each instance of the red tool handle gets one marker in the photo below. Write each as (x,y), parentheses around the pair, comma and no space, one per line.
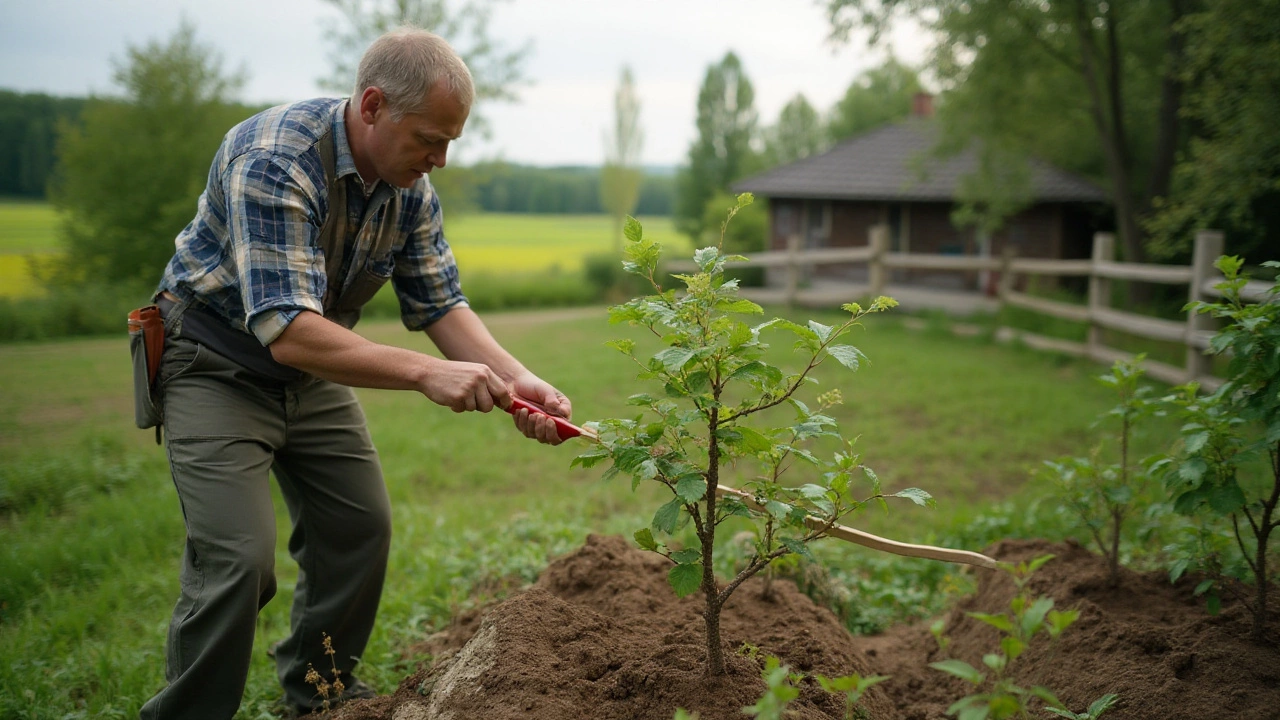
(564,428)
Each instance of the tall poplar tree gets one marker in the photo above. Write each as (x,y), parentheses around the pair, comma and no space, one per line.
(722,152)
(621,175)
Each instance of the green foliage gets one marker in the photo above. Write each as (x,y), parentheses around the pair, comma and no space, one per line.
(1230,174)
(92,308)
(133,168)
(781,690)
(878,96)
(1104,495)
(1095,711)
(798,133)
(28,129)
(1028,618)
(505,187)
(1211,474)
(722,152)
(853,686)
(714,376)
(621,177)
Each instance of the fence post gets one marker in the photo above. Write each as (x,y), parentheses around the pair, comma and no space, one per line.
(1006,272)
(793,268)
(1104,250)
(879,241)
(1207,249)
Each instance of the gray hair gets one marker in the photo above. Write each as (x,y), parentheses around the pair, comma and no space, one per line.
(406,63)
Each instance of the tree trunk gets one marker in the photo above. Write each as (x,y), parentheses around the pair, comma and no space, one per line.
(1169,124)
(711,614)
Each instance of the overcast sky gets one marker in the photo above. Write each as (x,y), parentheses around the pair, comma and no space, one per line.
(65,47)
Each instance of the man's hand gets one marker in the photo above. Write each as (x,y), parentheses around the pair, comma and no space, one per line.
(464,386)
(537,426)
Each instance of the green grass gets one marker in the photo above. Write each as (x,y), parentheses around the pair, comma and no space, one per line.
(91,535)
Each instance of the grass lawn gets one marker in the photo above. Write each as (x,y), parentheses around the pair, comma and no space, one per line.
(491,243)
(91,531)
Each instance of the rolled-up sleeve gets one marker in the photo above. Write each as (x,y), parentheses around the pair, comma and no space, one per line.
(426,275)
(273,226)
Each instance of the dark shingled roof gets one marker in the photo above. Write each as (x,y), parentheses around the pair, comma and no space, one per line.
(894,163)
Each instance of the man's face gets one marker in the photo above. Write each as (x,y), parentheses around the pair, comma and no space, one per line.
(402,152)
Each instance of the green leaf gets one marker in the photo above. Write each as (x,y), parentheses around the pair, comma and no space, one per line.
(665,519)
(644,538)
(706,257)
(632,230)
(823,331)
(797,546)
(1033,619)
(623,346)
(1047,696)
(745,439)
(686,578)
(758,373)
(995,661)
(1012,646)
(1000,622)
(691,488)
(917,496)
(739,305)
(686,556)
(673,359)
(1227,499)
(960,669)
(777,509)
(847,355)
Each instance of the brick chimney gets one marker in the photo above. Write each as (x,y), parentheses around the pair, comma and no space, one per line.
(922,105)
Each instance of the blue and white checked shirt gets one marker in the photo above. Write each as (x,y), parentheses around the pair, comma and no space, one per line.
(252,253)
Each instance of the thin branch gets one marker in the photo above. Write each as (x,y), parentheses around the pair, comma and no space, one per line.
(1235,525)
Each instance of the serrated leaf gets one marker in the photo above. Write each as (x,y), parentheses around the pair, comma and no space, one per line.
(686,556)
(673,359)
(797,546)
(685,579)
(917,496)
(960,669)
(847,355)
(632,230)
(1226,499)
(665,519)
(706,257)
(777,509)
(739,305)
(691,488)
(823,331)
(644,538)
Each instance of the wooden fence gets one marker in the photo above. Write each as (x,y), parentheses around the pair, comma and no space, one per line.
(1193,332)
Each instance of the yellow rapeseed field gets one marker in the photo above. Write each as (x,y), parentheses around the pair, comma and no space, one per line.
(492,243)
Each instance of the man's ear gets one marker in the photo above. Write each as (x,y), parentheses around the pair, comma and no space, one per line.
(372,102)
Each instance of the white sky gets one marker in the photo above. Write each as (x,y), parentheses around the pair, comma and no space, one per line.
(65,47)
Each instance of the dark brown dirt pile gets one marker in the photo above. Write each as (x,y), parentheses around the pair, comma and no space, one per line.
(601,635)
(1146,640)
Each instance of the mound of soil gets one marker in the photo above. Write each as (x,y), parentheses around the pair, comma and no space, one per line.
(601,635)
(1150,642)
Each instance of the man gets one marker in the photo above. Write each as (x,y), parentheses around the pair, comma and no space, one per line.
(309,208)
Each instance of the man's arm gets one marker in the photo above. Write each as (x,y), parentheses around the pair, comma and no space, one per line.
(475,377)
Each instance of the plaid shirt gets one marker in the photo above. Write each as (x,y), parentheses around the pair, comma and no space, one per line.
(252,253)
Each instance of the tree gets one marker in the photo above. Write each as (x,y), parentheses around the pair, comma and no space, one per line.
(1029,72)
(722,153)
(1230,176)
(495,69)
(877,96)
(132,169)
(798,133)
(620,178)
(28,131)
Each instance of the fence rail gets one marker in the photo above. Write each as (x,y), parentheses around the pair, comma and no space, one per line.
(1193,332)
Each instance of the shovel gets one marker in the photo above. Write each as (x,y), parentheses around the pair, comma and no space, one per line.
(566,430)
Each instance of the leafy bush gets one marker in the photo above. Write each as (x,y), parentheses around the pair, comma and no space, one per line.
(67,311)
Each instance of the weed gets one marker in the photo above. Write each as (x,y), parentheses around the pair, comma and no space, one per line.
(329,689)
(1028,617)
(781,690)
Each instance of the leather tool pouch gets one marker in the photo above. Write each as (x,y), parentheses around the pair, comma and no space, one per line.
(146,344)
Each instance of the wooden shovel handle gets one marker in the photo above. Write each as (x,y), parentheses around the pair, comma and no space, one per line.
(875,542)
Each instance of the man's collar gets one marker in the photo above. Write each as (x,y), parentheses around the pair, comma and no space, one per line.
(344,163)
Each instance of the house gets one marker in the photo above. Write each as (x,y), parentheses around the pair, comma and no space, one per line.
(890,176)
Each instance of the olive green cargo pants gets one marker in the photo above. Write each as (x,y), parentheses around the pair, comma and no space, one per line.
(225,428)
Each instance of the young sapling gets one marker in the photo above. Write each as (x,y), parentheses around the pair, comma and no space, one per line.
(716,384)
